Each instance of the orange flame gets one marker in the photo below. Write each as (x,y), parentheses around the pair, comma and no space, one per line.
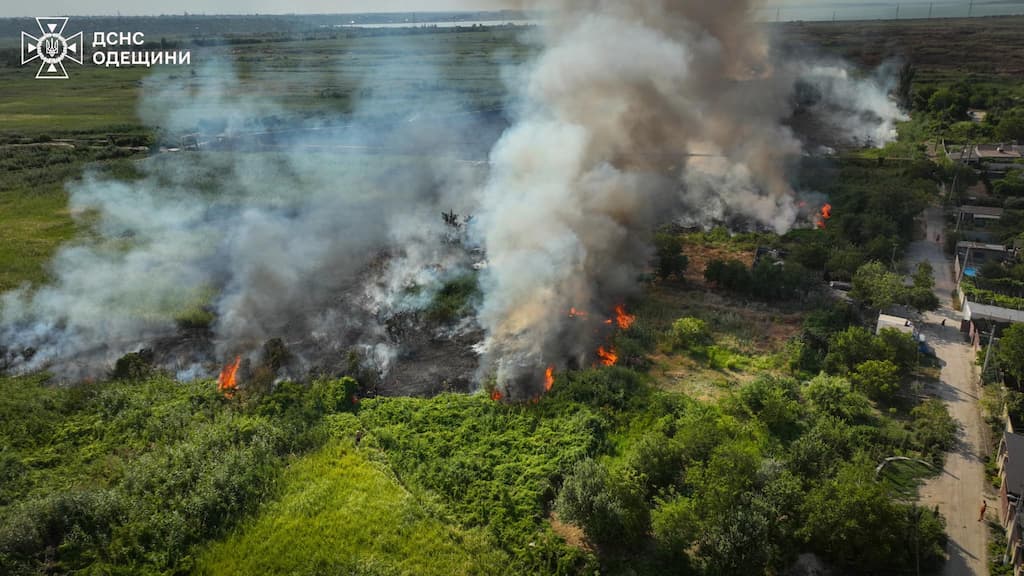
(495,394)
(824,214)
(608,357)
(549,378)
(574,313)
(623,319)
(226,382)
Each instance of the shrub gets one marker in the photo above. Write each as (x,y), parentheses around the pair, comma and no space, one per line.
(730,275)
(689,333)
(878,379)
(454,298)
(675,525)
(934,429)
(134,365)
(330,396)
(834,396)
(671,260)
(608,510)
(656,461)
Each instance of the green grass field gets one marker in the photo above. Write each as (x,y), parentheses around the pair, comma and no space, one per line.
(342,513)
(93,100)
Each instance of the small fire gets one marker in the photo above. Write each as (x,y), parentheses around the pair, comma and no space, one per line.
(496,395)
(549,378)
(574,313)
(226,382)
(623,319)
(824,214)
(608,356)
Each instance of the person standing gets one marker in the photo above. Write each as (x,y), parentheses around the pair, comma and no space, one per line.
(984,506)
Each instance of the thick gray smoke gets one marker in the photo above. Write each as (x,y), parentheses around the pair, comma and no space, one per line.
(274,235)
(634,114)
(620,116)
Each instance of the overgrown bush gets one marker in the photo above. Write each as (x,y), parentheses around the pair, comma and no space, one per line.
(608,508)
(690,332)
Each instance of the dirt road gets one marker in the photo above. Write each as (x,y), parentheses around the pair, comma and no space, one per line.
(959,490)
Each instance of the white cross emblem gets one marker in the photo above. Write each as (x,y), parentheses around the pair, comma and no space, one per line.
(51,48)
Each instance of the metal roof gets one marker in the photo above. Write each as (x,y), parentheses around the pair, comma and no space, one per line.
(974,310)
(1014,463)
(991,211)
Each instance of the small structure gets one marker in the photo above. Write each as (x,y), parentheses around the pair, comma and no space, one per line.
(977,116)
(998,151)
(1011,490)
(974,221)
(898,323)
(971,256)
(984,322)
(982,212)
(190,141)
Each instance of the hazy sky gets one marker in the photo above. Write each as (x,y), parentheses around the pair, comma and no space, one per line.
(10,8)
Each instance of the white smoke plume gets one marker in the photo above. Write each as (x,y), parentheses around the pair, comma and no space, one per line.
(619,115)
(633,114)
(859,108)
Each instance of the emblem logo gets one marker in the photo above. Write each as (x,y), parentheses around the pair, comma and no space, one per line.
(51,48)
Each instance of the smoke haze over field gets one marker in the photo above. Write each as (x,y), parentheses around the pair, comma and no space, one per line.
(633,114)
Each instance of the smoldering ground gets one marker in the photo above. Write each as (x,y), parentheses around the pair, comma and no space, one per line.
(328,236)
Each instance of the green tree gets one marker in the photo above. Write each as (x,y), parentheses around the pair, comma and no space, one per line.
(728,274)
(1010,352)
(834,396)
(675,525)
(671,260)
(656,461)
(1011,126)
(610,512)
(738,541)
(845,262)
(924,276)
(849,348)
(898,348)
(904,88)
(775,403)
(876,286)
(934,429)
(878,379)
(851,521)
(730,470)
(1011,185)
(922,295)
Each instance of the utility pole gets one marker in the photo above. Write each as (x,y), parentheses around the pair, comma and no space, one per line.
(988,351)
(897,11)
(778,12)
(963,266)
(930,10)
(970,9)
